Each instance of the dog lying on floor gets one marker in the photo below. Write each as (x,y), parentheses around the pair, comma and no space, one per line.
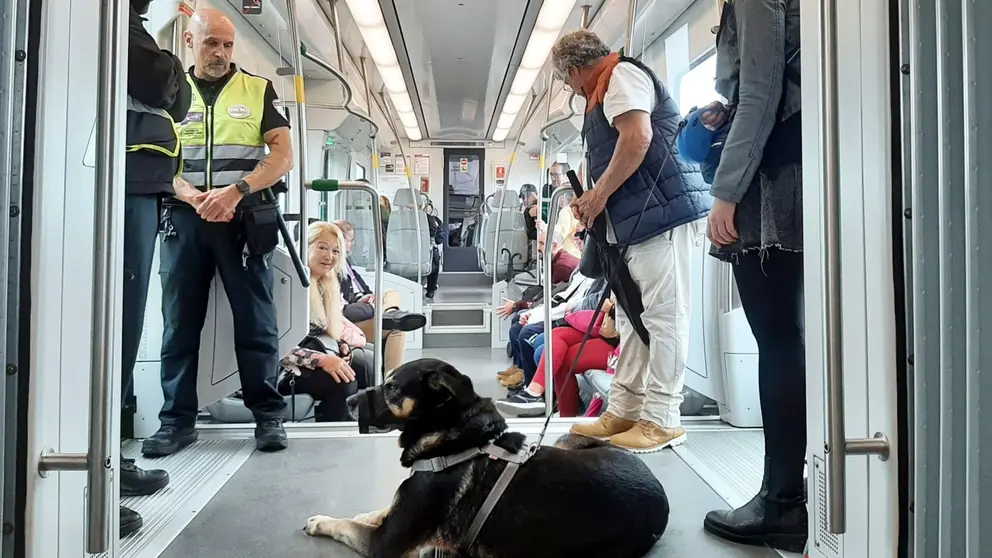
(581,497)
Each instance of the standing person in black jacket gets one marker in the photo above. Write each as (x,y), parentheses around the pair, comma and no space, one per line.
(158,95)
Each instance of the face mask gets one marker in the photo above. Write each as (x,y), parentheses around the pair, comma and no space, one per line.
(369,407)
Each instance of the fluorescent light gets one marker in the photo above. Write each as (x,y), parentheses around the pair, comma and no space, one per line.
(408,119)
(392,78)
(506,121)
(524,79)
(550,20)
(402,103)
(513,103)
(372,26)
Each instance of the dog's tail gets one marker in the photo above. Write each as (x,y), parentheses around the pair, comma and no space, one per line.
(578,442)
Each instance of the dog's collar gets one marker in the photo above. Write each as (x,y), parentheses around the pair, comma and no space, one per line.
(438,464)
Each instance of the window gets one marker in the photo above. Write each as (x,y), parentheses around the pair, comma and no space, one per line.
(358,172)
(696,87)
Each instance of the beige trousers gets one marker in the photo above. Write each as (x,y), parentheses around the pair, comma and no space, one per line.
(392,353)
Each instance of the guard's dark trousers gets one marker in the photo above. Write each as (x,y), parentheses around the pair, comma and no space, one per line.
(192,249)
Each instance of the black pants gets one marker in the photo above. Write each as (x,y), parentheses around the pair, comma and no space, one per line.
(140,233)
(435,270)
(189,260)
(329,394)
(771,292)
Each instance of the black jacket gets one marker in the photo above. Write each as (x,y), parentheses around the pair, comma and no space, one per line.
(156,78)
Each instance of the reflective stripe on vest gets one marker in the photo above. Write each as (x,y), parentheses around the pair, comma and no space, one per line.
(167,144)
(223,143)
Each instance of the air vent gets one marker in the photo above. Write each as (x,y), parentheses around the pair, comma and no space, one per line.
(827,543)
(473,144)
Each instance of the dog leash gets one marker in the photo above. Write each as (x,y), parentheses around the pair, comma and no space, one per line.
(492,451)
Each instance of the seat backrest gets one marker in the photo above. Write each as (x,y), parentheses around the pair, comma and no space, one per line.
(406,250)
(404,197)
(509,251)
(356,208)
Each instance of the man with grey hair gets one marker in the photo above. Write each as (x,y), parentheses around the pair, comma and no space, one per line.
(646,198)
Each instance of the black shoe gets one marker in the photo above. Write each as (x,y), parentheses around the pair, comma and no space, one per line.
(270,435)
(168,440)
(138,482)
(760,522)
(399,320)
(522,404)
(130,522)
(430,295)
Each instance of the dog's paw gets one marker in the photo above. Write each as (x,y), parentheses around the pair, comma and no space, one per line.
(319,525)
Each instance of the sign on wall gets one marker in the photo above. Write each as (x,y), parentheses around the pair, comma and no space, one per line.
(500,173)
(251,7)
(421,164)
(463,165)
(425,184)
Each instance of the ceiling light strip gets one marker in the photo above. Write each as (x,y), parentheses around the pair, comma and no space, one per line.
(550,21)
(372,26)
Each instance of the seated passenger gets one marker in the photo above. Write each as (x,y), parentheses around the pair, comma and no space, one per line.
(566,341)
(324,364)
(580,294)
(360,310)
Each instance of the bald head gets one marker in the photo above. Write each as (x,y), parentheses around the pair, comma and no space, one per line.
(211,36)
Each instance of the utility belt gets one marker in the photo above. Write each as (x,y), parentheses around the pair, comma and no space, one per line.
(256,218)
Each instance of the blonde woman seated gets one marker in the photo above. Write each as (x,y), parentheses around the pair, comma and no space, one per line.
(331,363)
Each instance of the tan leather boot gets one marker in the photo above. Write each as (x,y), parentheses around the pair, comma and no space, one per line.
(647,437)
(607,425)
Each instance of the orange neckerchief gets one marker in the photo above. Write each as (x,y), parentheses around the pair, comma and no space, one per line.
(599,81)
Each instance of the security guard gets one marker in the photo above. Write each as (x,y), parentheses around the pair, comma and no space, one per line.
(158,94)
(219,221)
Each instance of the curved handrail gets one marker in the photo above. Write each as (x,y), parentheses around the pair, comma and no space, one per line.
(331,185)
(556,121)
(549,389)
(348,92)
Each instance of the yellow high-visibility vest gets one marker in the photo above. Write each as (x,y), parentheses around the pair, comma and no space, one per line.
(223,143)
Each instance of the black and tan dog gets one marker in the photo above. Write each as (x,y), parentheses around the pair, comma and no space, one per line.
(581,497)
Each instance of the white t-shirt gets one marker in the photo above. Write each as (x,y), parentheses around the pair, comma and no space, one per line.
(631,88)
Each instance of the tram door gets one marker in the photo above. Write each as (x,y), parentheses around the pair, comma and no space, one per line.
(868,498)
(62,145)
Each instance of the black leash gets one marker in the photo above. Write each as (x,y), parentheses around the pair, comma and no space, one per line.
(573,180)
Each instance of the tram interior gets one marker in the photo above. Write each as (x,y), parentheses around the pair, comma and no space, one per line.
(462,146)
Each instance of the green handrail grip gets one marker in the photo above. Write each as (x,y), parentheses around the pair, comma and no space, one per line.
(325,185)
(303,49)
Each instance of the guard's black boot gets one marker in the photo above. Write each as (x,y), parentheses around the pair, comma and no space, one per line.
(138,482)
(130,522)
(270,435)
(768,519)
(168,440)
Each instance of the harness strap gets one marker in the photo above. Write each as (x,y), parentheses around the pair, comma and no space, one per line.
(438,464)
(487,507)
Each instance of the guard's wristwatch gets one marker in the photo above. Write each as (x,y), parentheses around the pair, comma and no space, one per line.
(243,187)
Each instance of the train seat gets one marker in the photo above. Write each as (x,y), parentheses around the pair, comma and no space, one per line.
(511,252)
(408,252)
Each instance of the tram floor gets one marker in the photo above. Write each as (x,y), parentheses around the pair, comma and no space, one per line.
(261,509)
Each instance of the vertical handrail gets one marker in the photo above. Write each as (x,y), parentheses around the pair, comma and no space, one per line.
(830,222)
(837,446)
(543,161)
(499,210)
(331,185)
(549,237)
(628,44)
(301,118)
(374,171)
(107,189)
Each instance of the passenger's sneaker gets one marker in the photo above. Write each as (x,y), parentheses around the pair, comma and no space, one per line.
(168,440)
(514,379)
(130,522)
(522,404)
(270,435)
(398,320)
(605,426)
(138,482)
(647,437)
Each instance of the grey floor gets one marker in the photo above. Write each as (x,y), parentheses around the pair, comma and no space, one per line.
(262,509)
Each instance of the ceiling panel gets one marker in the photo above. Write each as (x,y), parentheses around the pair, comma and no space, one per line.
(459,51)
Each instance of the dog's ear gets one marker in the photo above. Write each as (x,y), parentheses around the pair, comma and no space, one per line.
(445,379)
